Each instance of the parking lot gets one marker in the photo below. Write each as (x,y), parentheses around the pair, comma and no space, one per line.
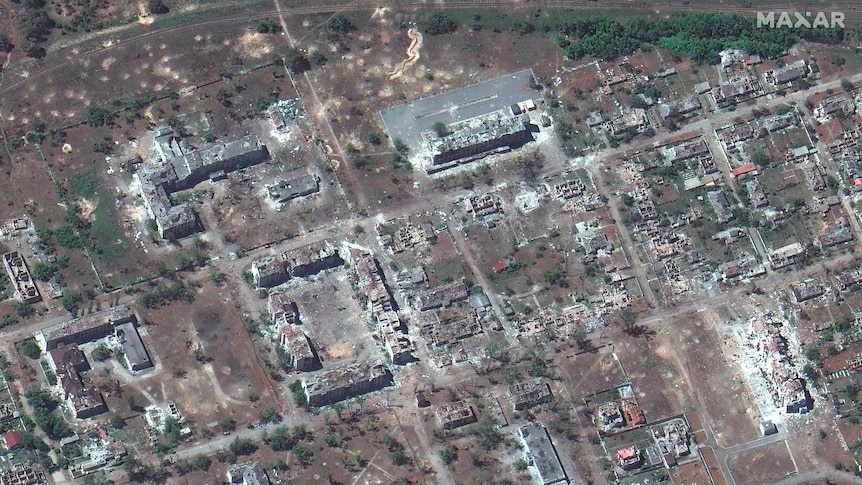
(408,121)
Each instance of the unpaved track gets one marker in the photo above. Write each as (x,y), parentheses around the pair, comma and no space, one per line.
(852,11)
(412,54)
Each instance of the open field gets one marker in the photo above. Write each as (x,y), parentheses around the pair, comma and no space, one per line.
(761,465)
(215,329)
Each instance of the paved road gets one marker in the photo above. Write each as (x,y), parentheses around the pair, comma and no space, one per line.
(722,453)
(340,229)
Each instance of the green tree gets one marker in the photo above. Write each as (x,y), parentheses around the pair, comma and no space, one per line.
(227,424)
(101,353)
(23,309)
(296,61)
(268,26)
(117,422)
(72,301)
(270,415)
(317,58)
(31,349)
(242,447)
(440,23)
(302,454)
(157,7)
(44,271)
(337,27)
(448,454)
(373,137)
(96,115)
(7,321)
(440,128)
(628,319)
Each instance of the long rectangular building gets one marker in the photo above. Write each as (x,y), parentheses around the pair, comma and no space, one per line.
(84,329)
(181,171)
(16,268)
(339,384)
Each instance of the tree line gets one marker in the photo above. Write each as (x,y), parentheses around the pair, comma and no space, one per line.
(698,36)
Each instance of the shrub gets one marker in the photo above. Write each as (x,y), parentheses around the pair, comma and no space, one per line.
(440,23)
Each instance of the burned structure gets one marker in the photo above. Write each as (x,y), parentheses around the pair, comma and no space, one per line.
(16,268)
(540,453)
(180,170)
(381,306)
(301,262)
(497,133)
(353,380)
(287,190)
(455,414)
(525,395)
(68,363)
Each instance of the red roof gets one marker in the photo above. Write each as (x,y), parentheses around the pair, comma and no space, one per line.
(13,439)
(744,169)
(857,182)
(500,266)
(627,453)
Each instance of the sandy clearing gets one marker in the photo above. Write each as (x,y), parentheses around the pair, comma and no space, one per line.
(412,54)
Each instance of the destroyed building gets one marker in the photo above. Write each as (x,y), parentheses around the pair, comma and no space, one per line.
(288,190)
(381,306)
(525,395)
(119,320)
(297,348)
(832,105)
(16,268)
(282,311)
(441,334)
(610,417)
(84,402)
(756,196)
(679,107)
(786,255)
(495,133)
(84,329)
(180,171)
(455,414)
(672,441)
(269,272)
(570,189)
(298,263)
(311,259)
(735,90)
(442,296)
(249,473)
(22,474)
(353,380)
(720,205)
(540,453)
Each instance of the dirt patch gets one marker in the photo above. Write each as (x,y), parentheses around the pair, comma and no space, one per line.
(656,375)
(591,372)
(711,462)
(412,54)
(225,376)
(718,385)
(692,473)
(761,465)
